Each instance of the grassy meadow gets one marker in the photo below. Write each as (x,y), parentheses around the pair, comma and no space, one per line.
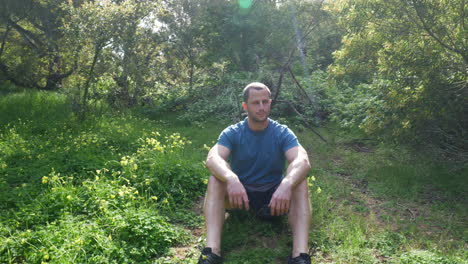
(125,187)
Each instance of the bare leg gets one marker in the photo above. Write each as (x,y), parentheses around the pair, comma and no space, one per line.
(214,209)
(299,218)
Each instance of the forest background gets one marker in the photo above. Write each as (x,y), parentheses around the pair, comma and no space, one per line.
(107,108)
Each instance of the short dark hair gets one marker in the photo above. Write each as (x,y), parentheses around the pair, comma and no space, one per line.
(255,85)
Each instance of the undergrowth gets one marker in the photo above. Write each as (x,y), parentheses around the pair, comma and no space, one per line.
(119,188)
(103,191)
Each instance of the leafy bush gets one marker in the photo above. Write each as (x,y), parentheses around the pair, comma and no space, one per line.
(406,85)
(121,224)
(72,239)
(159,168)
(96,192)
(142,233)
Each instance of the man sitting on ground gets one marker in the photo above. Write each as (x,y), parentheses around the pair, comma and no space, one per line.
(257,149)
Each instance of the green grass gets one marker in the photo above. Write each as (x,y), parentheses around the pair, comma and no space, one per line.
(382,206)
(109,190)
(114,181)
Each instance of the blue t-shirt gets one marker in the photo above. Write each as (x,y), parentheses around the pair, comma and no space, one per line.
(257,157)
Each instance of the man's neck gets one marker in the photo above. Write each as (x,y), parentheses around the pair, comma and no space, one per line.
(257,126)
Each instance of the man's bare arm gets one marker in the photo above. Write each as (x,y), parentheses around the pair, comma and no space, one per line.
(216,162)
(299,165)
(297,171)
(219,167)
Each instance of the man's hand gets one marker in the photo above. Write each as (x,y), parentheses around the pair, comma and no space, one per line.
(281,199)
(237,195)
(297,170)
(217,164)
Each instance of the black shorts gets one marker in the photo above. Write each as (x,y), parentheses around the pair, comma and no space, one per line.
(260,196)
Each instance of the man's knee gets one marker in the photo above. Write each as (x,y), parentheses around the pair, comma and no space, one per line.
(215,187)
(300,210)
(302,189)
(300,198)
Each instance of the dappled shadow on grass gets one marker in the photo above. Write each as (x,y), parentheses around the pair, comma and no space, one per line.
(249,239)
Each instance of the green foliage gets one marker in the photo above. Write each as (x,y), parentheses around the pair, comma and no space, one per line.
(159,168)
(400,73)
(95,192)
(427,257)
(59,242)
(389,243)
(37,106)
(117,188)
(377,206)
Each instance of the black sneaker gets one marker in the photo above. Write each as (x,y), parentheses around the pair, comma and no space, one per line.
(303,258)
(208,257)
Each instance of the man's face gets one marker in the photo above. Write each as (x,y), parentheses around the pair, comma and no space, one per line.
(258,105)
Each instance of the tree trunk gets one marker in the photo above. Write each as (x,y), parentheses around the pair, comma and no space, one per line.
(83,108)
(191,77)
(2,47)
(278,87)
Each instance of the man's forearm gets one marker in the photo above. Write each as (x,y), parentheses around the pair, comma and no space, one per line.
(297,171)
(220,168)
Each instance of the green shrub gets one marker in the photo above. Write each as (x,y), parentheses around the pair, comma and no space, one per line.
(99,191)
(160,169)
(119,223)
(141,232)
(70,240)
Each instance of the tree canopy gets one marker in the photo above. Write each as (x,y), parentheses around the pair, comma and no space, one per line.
(396,70)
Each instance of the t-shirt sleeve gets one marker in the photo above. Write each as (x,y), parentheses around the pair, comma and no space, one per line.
(288,139)
(226,138)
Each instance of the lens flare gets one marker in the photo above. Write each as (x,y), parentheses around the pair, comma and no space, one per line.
(245,4)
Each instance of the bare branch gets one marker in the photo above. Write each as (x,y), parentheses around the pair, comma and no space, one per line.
(300,87)
(428,29)
(5,35)
(32,40)
(309,126)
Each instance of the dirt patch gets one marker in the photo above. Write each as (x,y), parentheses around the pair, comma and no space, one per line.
(182,252)
(198,206)
(198,232)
